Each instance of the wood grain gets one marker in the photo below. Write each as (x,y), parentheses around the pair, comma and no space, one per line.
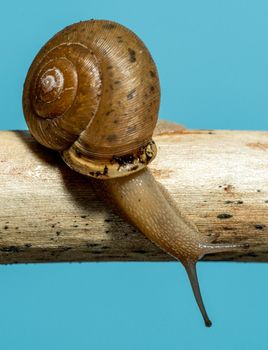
(50,213)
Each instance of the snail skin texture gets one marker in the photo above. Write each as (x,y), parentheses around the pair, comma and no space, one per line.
(92,93)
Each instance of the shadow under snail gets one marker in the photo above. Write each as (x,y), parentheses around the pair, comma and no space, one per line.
(92,93)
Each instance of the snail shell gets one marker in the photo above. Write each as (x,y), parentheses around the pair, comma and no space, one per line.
(92,93)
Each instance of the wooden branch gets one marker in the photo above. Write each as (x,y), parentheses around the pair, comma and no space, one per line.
(50,213)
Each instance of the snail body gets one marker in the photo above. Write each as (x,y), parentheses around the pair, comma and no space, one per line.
(92,93)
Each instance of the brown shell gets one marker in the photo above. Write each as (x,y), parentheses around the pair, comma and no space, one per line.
(92,93)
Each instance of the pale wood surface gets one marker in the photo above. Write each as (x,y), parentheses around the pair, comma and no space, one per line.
(50,213)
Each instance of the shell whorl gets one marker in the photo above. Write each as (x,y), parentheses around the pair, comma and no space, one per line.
(92,93)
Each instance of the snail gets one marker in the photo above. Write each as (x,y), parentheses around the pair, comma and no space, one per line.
(92,93)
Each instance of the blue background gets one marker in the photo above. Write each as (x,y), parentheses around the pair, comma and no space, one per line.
(212,58)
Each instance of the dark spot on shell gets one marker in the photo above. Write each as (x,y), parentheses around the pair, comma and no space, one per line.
(258,190)
(58,233)
(115,121)
(109,26)
(78,153)
(83,216)
(239,202)
(152,88)
(131,94)
(105,170)
(110,67)
(5,227)
(224,216)
(28,245)
(259,227)
(228,202)
(119,39)
(132,55)
(117,82)
(152,74)
(131,129)
(111,137)
(266,201)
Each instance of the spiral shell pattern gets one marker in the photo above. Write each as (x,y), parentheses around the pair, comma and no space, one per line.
(92,93)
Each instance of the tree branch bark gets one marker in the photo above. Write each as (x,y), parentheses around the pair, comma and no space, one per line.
(50,213)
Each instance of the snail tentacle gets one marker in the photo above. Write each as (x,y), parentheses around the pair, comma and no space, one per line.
(190,267)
